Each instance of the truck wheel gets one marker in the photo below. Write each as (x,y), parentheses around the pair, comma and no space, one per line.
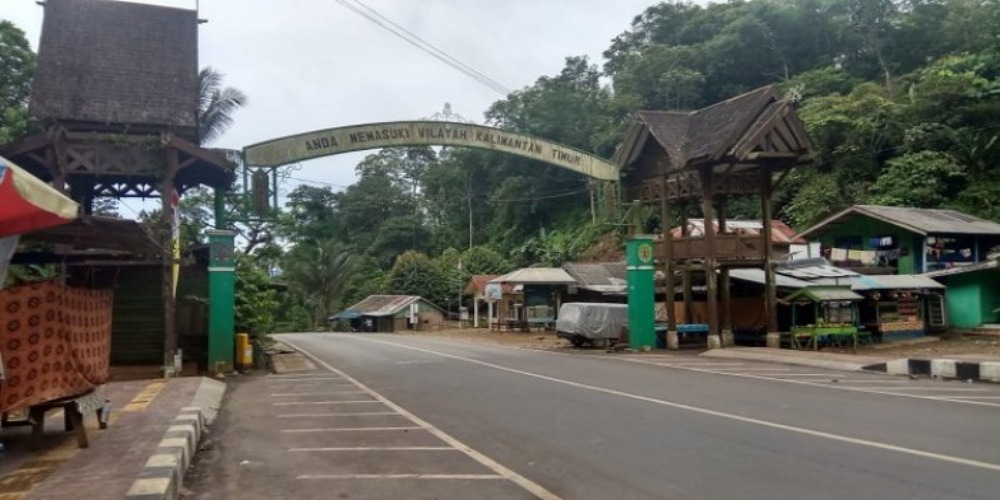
(577,341)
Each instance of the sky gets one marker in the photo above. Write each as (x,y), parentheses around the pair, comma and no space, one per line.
(314,64)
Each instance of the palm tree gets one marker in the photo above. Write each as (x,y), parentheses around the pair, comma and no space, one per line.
(215,105)
(320,271)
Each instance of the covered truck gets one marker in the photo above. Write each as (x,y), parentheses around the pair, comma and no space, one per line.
(597,324)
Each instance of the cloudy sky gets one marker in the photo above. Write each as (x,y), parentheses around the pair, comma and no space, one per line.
(312,64)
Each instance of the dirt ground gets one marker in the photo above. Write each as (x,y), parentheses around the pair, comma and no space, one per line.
(949,345)
(534,340)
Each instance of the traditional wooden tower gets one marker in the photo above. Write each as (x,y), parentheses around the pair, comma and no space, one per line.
(115,97)
(741,147)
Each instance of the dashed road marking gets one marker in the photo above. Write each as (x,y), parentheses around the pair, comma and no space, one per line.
(294,403)
(459,477)
(329,393)
(376,448)
(352,429)
(532,487)
(343,414)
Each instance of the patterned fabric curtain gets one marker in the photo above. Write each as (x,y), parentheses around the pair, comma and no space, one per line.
(56,342)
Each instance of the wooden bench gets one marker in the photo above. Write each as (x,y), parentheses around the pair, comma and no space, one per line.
(73,407)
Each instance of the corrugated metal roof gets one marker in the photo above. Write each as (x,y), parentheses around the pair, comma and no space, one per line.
(810,269)
(537,276)
(918,220)
(757,276)
(982,266)
(385,305)
(606,277)
(862,283)
(824,294)
(780,232)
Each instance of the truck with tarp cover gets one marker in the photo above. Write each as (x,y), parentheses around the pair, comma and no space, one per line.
(596,324)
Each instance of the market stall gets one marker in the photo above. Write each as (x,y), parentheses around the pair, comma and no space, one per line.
(824,315)
(56,339)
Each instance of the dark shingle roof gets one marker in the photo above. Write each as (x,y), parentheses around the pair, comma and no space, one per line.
(708,132)
(115,62)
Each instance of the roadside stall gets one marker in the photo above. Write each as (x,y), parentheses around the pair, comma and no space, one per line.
(826,315)
(56,339)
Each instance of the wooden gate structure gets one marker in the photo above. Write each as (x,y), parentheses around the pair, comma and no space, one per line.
(741,147)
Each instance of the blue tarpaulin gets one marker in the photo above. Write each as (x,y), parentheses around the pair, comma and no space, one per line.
(348,314)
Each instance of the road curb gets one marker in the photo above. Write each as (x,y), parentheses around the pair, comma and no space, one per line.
(163,475)
(789,358)
(982,371)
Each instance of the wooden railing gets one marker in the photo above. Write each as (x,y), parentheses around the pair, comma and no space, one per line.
(728,247)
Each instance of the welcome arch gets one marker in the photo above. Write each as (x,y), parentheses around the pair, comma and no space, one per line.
(333,141)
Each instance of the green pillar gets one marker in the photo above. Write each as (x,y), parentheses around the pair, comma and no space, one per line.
(641,293)
(221,300)
(220,209)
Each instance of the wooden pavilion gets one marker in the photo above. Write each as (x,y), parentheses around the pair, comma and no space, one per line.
(116,93)
(679,160)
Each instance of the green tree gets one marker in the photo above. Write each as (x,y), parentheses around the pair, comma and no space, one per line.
(319,271)
(17,68)
(414,273)
(256,301)
(216,105)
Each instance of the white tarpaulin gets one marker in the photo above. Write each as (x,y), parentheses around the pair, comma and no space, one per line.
(592,321)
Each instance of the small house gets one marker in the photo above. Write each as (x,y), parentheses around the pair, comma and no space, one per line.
(872,239)
(973,294)
(391,313)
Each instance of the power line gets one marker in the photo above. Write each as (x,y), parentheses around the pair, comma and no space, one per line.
(391,26)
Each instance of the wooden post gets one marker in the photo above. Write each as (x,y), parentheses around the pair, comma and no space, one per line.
(770,288)
(711,280)
(686,270)
(728,340)
(170,340)
(672,340)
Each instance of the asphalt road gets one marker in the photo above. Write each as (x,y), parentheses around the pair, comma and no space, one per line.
(412,417)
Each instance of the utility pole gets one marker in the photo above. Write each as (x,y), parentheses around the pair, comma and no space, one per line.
(468,191)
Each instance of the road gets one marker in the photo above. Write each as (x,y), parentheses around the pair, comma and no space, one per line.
(414,417)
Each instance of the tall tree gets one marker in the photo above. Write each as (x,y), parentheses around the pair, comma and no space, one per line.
(17,68)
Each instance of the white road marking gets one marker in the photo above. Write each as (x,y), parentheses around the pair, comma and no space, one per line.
(826,375)
(274,378)
(330,393)
(290,403)
(754,370)
(529,485)
(376,448)
(353,429)
(946,389)
(345,414)
(970,397)
(868,381)
(701,364)
(811,383)
(460,477)
(720,414)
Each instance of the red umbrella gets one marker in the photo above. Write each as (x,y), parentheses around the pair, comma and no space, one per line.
(28,204)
